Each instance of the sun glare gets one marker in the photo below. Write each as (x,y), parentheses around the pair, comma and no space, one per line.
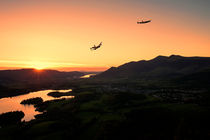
(38,68)
(39,65)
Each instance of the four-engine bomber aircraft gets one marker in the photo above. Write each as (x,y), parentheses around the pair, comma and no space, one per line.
(143,21)
(96,47)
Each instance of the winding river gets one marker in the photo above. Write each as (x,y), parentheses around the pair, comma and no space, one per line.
(13,103)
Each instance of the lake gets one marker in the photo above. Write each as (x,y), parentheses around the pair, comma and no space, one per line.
(87,75)
(13,103)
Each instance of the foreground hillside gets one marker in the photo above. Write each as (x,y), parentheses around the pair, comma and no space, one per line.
(96,115)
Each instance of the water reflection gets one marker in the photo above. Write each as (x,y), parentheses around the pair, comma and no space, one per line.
(13,103)
(87,76)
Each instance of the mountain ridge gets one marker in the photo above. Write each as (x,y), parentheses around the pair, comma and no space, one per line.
(27,74)
(159,67)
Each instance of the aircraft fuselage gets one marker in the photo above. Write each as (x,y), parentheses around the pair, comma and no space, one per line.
(143,22)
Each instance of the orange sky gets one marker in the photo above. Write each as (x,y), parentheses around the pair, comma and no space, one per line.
(59,35)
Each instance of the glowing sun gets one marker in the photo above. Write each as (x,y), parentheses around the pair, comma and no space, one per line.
(39,65)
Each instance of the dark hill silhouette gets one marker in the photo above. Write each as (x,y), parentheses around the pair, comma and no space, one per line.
(198,79)
(160,67)
(15,82)
(32,74)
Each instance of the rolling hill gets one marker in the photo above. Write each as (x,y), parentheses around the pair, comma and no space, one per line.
(16,82)
(33,75)
(161,67)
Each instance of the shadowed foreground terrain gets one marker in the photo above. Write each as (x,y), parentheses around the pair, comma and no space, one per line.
(115,115)
(128,105)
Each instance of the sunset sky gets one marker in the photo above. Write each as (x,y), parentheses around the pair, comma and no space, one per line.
(58,34)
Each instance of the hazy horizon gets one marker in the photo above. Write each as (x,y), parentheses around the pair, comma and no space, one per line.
(85,69)
(65,69)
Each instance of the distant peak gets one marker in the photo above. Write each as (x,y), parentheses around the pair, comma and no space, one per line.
(175,56)
(160,57)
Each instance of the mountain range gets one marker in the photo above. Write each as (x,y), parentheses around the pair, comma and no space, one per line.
(161,67)
(15,82)
(22,75)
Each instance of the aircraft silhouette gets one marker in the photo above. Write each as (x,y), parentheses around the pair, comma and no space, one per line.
(96,47)
(143,21)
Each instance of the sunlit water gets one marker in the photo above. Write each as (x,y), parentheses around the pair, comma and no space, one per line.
(87,76)
(13,103)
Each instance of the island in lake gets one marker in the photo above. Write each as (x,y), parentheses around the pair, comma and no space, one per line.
(32,101)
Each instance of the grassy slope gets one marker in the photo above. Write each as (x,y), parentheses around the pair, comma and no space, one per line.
(94,116)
